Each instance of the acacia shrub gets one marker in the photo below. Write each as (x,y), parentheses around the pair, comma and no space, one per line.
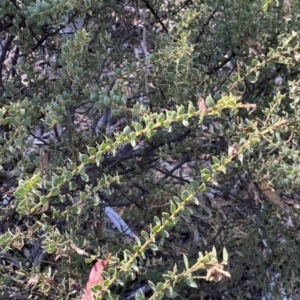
(103,102)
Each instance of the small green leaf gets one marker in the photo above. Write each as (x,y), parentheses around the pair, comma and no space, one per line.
(210,102)
(151,125)
(225,255)
(191,108)
(164,233)
(65,48)
(137,240)
(54,191)
(195,201)
(68,175)
(235,77)
(133,143)
(186,212)
(50,248)
(185,123)
(167,276)
(57,180)
(254,62)
(241,157)
(153,247)
(26,121)
(44,200)
(223,160)
(190,282)
(13,30)
(175,220)
(88,260)
(138,127)
(215,167)
(176,200)
(206,171)
(132,136)
(149,134)
(205,177)
(94,97)
(156,228)
(195,184)
(92,150)
(151,284)
(165,215)
(232,164)
(136,248)
(81,169)
(25,103)
(161,117)
(180,110)
(159,286)
(216,160)
(83,158)
(144,234)
(71,166)
(185,195)
(140,297)
(21,206)
(103,146)
(20,192)
(107,101)
(170,293)
(252,78)
(98,158)
(126,130)
(214,252)
(172,208)
(85,177)
(157,220)
(127,252)
(186,262)
(96,288)
(167,124)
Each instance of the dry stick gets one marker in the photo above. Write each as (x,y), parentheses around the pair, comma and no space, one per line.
(9,258)
(205,25)
(156,16)
(144,47)
(4,49)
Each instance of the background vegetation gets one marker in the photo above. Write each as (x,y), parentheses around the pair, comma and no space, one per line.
(182,116)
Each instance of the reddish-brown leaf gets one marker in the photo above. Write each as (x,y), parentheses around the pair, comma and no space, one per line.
(202,106)
(95,277)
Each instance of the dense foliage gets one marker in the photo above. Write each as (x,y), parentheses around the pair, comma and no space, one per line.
(182,116)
